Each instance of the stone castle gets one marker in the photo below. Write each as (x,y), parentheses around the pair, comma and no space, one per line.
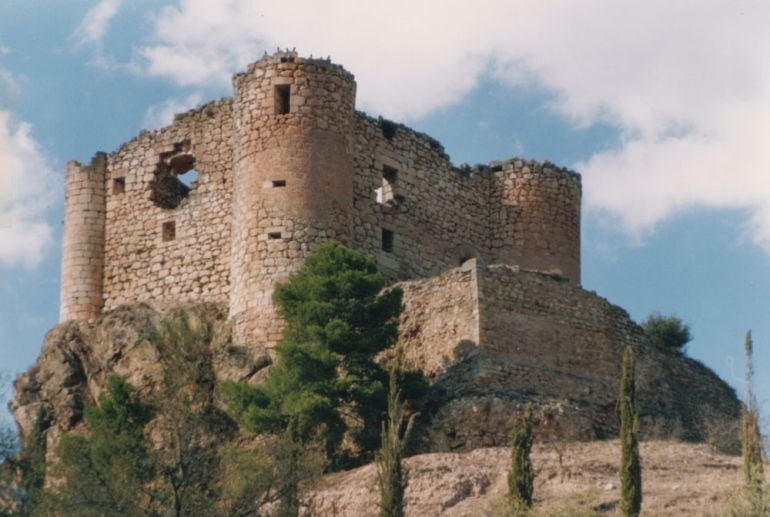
(488,259)
(283,165)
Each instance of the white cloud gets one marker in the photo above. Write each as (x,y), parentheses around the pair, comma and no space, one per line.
(96,22)
(28,187)
(160,115)
(4,51)
(686,83)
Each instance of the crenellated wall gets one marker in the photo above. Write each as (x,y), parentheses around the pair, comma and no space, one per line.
(283,165)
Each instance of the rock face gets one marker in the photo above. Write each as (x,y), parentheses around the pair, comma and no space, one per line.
(489,339)
(78,357)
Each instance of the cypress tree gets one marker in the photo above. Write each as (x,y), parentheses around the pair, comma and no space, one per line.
(391,477)
(521,477)
(751,441)
(630,466)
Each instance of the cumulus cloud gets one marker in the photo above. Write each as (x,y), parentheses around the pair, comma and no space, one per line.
(28,187)
(160,115)
(685,83)
(96,22)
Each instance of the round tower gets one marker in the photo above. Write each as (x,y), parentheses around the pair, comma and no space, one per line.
(543,219)
(82,267)
(292,180)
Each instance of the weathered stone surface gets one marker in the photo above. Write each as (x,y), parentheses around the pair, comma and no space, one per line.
(77,358)
(493,338)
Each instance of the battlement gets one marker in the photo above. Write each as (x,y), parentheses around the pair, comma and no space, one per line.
(232,196)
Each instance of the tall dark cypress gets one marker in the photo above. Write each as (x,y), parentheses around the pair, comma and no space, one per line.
(521,478)
(630,465)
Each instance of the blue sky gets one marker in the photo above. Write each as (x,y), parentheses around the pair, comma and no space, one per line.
(664,108)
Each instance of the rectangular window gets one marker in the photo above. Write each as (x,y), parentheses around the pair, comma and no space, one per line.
(389,177)
(282,99)
(168,231)
(118,185)
(387,240)
(279,183)
(274,235)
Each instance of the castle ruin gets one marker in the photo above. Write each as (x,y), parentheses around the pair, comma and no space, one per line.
(231,197)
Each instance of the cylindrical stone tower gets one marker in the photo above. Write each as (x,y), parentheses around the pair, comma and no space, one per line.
(544,218)
(82,267)
(292,182)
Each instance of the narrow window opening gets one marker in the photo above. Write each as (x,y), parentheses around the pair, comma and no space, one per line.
(274,235)
(168,231)
(279,183)
(118,185)
(387,240)
(389,177)
(282,99)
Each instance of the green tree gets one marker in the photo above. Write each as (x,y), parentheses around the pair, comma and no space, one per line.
(751,440)
(630,465)
(105,472)
(666,332)
(521,477)
(338,318)
(396,430)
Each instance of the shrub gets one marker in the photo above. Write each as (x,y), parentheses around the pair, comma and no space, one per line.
(666,332)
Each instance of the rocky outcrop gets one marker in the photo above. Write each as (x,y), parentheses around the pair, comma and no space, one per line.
(77,358)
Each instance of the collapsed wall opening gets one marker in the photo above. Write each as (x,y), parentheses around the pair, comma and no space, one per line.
(175,176)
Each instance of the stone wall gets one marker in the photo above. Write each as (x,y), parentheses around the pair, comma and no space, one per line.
(437,213)
(493,338)
(164,240)
(439,325)
(534,217)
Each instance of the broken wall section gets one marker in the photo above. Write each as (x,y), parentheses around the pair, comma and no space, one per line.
(168,232)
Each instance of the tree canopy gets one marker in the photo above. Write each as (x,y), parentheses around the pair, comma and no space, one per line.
(338,318)
(666,332)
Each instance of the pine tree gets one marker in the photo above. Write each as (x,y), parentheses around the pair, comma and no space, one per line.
(105,472)
(396,431)
(338,318)
(751,440)
(521,477)
(630,465)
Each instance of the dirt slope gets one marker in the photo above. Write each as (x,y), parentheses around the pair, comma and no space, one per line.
(573,479)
